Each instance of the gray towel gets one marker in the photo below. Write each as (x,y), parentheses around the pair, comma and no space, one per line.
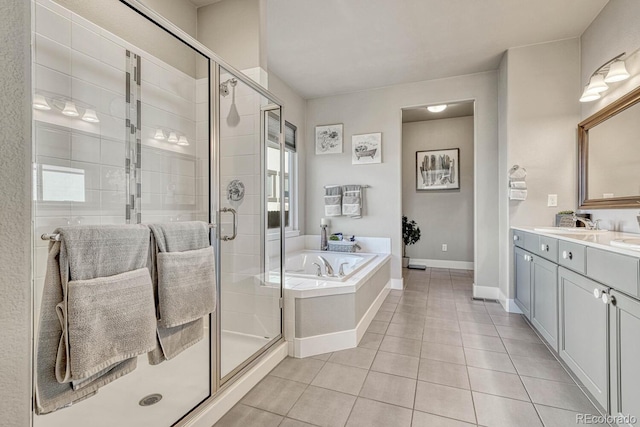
(116,244)
(333,200)
(352,201)
(182,266)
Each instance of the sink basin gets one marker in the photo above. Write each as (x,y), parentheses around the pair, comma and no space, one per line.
(627,243)
(569,230)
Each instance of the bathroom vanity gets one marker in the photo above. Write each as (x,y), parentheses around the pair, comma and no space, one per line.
(581,292)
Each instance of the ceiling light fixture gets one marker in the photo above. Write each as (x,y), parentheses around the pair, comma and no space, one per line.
(90,116)
(40,103)
(183,141)
(159,135)
(614,70)
(437,108)
(172,137)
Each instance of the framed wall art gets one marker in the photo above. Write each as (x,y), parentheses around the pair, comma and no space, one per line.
(329,139)
(366,148)
(438,169)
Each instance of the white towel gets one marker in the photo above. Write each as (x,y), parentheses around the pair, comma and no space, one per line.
(352,201)
(333,200)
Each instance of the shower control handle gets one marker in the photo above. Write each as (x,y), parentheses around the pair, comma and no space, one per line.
(235,224)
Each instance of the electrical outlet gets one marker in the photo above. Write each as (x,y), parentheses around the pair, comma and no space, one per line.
(444,247)
(552,200)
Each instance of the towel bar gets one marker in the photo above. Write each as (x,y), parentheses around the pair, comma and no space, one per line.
(56,237)
(329,186)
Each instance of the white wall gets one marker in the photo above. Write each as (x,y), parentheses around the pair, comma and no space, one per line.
(232,28)
(15,213)
(379,110)
(539,112)
(615,30)
(181,13)
(443,216)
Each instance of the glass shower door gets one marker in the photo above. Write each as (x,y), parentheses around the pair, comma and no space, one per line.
(121,120)
(249,226)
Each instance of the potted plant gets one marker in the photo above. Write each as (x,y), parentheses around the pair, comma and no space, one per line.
(410,235)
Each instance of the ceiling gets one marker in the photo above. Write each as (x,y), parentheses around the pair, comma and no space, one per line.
(327,47)
(200,3)
(421,114)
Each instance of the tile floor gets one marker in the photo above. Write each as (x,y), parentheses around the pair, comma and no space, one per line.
(432,357)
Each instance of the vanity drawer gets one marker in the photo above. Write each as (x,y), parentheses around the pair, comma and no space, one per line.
(518,238)
(548,248)
(572,256)
(532,242)
(621,272)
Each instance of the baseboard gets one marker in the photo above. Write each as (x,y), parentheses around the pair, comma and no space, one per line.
(220,405)
(508,304)
(487,292)
(397,284)
(443,263)
(342,340)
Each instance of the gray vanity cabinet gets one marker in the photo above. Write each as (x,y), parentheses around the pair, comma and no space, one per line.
(523,261)
(582,334)
(544,299)
(624,327)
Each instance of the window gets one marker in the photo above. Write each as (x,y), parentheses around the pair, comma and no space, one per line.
(274,174)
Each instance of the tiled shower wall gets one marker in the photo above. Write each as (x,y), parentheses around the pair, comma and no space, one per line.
(248,304)
(76,60)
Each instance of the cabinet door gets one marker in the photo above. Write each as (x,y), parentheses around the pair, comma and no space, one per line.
(583,335)
(624,329)
(544,299)
(522,262)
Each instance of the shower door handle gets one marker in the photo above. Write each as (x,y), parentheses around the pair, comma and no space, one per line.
(235,224)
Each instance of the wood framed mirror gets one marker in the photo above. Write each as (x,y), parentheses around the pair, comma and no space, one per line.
(609,156)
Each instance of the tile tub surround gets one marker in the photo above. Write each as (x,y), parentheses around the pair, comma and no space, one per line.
(323,315)
(395,378)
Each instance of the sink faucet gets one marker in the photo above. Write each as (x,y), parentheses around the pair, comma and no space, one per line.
(588,224)
(327,266)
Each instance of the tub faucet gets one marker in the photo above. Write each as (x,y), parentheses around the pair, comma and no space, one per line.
(327,266)
(318,269)
(341,270)
(588,224)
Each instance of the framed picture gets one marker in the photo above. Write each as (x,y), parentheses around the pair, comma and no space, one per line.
(329,139)
(366,148)
(438,169)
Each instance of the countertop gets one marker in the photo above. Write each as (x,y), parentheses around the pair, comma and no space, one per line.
(599,241)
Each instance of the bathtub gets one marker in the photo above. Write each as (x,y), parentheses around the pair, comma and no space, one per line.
(326,314)
(301,264)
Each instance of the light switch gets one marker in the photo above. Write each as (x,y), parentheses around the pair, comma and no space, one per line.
(552,200)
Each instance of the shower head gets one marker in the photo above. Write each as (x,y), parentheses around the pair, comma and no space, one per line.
(224,86)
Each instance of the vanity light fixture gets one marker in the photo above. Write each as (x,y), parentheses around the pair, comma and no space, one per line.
(437,108)
(159,135)
(40,102)
(90,116)
(172,137)
(614,70)
(617,72)
(183,141)
(70,109)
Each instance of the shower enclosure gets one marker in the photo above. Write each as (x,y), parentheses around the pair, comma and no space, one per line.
(135,122)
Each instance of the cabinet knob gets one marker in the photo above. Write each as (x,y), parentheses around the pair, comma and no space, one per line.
(544,248)
(597,293)
(516,238)
(608,299)
(567,255)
